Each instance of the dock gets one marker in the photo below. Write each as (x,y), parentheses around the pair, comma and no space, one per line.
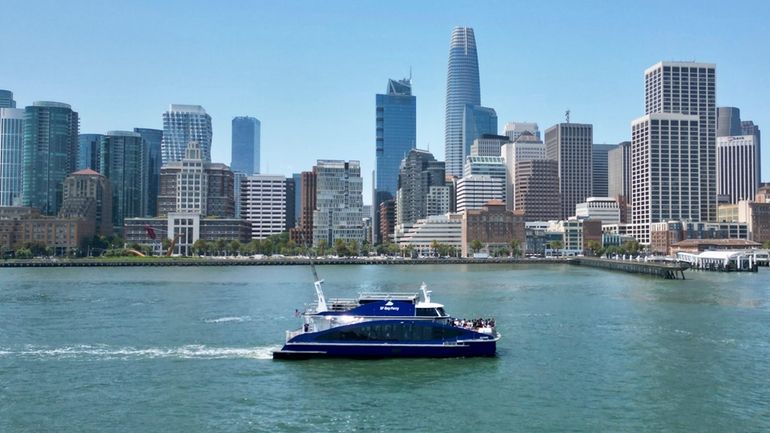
(668,271)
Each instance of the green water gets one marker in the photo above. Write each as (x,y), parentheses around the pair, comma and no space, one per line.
(188,350)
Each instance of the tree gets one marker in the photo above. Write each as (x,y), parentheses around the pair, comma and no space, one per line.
(502,252)
(24,253)
(200,247)
(322,245)
(766,244)
(556,245)
(515,247)
(476,246)
(219,246)
(632,247)
(594,247)
(234,246)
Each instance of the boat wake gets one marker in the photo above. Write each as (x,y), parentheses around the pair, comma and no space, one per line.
(105,352)
(229,319)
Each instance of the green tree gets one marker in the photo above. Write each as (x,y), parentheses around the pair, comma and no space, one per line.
(392,249)
(322,245)
(219,247)
(24,253)
(200,247)
(632,247)
(476,246)
(557,245)
(234,247)
(594,247)
(515,245)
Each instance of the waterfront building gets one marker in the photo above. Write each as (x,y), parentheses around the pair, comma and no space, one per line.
(302,234)
(570,145)
(88,196)
(488,145)
(186,228)
(151,142)
(396,135)
(664,235)
(475,190)
(89,151)
(525,147)
(263,204)
(737,167)
(492,166)
(604,209)
(194,186)
(121,161)
(424,234)
(537,186)
(245,145)
(50,153)
(183,124)
(6,99)
(291,193)
(11,154)
(420,173)
(492,225)
(728,122)
(515,129)
(21,225)
(462,89)
(600,169)
(339,202)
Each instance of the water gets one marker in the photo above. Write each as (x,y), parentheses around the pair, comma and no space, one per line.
(188,349)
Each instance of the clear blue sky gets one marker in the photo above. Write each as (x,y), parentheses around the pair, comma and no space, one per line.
(309,70)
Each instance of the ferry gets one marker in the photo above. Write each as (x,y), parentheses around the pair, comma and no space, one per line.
(386,325)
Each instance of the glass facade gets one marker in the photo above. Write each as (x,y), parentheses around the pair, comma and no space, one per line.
(462,88)
(477,121)
(11,142)
(122,157)
(245,145)
(88,151)
(151,141)
(339,202)
(50,153)
(6,99)
(181,125)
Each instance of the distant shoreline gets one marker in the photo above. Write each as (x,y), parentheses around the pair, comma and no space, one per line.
(286,261)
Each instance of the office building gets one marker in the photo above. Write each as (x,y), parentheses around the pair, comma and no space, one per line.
(488,145)
(339,202)
(737,167)
(525,147)
(89,150)
(477,121)
(245,145)
(11,154)
(88,196)
(571,145)
(419,173)
(600,169)
(514,129)
(50,153)
(619,171)
(492,225)
(291,210)
(728,122)
(474,191)
(396,135)
(6,99)
(462,89)
(387,220)
(302,234)
(604,209)
(151,142)
(121,162)
(424,234)
(263,204)
(749,128)
(183,124)
(537,186)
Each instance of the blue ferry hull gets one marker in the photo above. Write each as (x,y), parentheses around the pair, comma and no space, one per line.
(481,348)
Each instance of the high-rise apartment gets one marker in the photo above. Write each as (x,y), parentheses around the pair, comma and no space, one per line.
(462,89)
(245,145)
(687,88)
(339,202)
(121,161)
(89,148)
(419,174)
(737,167)
(151,141)
(183,124)
(570,145)
(50,153)
(11,155)
(6,99)
(396,134)
(263,204)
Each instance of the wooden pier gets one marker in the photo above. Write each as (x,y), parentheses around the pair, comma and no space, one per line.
(669,271)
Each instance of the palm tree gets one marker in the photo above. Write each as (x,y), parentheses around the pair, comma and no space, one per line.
(515,250)
(476,245)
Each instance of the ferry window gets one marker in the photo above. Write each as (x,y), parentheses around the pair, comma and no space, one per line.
(426,312)
(441,311)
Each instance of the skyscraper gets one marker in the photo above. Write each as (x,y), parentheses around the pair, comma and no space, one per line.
(121,159)
(339,202)
(749,128)
(599,169)
(263,204)
(728,121)
(477,121)
(181,125)
(514,129)
(396,134)
(11,155)
(462,89)
(419,174)
(570,145)
(50,153)
(88,195)
(245,145)
(89,146)
(689,88)
(619,171)
(737,167)
(526,147)
(152,139)
(488,145)
(6,99)
(536,181)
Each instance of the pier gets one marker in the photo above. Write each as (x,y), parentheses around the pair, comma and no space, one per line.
(669,271)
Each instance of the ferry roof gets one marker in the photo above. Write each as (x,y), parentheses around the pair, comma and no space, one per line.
(410,297)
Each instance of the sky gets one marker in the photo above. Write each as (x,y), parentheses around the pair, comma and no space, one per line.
(310,70)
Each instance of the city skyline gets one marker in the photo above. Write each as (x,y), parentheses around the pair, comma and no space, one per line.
(537,90)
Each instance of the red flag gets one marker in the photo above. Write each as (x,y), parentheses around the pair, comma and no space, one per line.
(150,232)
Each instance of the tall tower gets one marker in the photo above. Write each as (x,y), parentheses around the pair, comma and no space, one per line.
(689,89)
(88,151)
(181,125)
(570,145)
(6,99)
(396,135)
(50,153)
(152,139)
(462,88)
(728,122)
(339,202)
(121,162)
(245,145)
(11,162)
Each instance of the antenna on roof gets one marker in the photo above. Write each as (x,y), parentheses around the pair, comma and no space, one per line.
(410,73)
(566,114)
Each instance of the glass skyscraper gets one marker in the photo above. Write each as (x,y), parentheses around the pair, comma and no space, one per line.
(245,145)
(181,125)
(50,153)
(462,88)
(122,155)
(88,151)
(477,121)
(396,123)
(6,99)
(11,145)
(152,139)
